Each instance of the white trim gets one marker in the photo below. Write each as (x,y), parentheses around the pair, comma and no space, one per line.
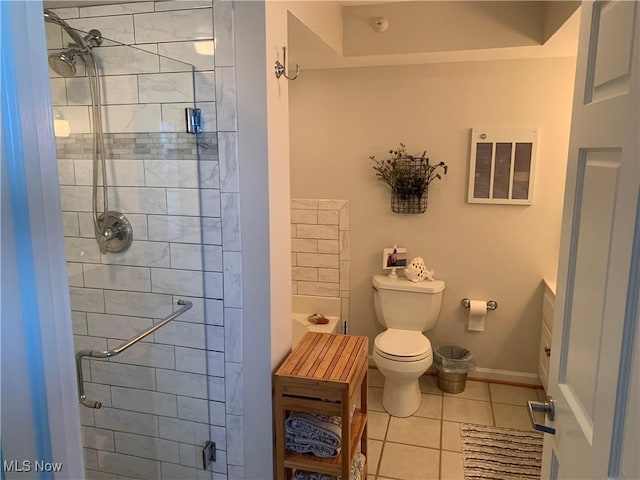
(251,68)
(507,376)
(494,375)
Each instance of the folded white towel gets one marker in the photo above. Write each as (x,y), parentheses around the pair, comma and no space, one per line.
(356,471)
(312,428)
(305,445)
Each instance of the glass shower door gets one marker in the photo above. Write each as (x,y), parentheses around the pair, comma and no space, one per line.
(161,398)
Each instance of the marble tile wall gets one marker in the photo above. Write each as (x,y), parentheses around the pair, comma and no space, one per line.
(181,386)
(320,249)
(146,63)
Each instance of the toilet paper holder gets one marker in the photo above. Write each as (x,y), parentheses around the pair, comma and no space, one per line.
(491,304)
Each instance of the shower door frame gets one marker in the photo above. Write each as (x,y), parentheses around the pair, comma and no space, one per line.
(35,124)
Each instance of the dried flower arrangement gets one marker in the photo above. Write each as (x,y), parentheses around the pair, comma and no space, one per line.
(409,177)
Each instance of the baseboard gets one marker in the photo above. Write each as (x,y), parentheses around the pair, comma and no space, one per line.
(505,376)
(482,374)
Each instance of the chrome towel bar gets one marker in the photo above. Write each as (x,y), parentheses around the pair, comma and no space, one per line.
(186,305)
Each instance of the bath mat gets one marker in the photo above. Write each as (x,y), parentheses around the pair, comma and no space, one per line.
(500,453)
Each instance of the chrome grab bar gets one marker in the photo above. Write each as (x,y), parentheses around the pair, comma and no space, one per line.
(186,305)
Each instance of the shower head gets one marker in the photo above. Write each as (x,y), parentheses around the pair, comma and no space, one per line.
(64,63)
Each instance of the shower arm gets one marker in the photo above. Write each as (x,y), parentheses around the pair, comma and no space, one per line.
(185,304)
(51,17)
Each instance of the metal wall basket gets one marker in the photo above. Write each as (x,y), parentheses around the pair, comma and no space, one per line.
(409,204)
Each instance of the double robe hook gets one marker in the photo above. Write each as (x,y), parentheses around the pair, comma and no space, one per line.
(281,70)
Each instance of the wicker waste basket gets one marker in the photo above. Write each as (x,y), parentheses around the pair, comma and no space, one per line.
(453,364)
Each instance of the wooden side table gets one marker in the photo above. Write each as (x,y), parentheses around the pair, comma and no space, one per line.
(323,374)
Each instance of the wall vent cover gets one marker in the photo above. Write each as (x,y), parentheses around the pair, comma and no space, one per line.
(502,165)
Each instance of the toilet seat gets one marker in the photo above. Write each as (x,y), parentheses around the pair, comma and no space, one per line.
(402,345)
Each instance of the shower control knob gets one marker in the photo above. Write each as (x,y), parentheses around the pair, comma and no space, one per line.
(116,232)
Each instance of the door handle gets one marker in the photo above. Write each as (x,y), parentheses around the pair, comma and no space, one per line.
(548,408)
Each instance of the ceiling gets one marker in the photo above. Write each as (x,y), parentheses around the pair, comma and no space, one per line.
(439,31)
(425,31)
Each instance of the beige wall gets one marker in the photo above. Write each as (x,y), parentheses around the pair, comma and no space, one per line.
(340,117)
(277,96)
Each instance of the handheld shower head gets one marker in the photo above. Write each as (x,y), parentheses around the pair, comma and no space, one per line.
(64,63)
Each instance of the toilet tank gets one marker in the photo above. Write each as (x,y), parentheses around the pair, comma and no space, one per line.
(401,303)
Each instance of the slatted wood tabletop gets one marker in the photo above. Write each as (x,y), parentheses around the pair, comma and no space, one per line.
(325,356)
(323,367)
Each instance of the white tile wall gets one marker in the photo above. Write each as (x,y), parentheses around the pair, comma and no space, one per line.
(217,413)
(78,118)
(226,99)
(114,90)
(117,28)
(182,383)
(232,277)
(230,204)
(132,118)
(123,60)
(183,430)
(223,31)
(126,421)
(186,256)
(147,447)
(320,249)
(183,334)
(235,440)
(171,173)
(145,354)
(191,360)
(216,389)
(54,35)
(141,253)
(165,396)
(58,91)
(144,401)
(138,304)
(194,409)
(121,9)
(180,282)
(121,173)
(175,229)
(234,388)
(198,53)
(87,300)
(109,373)
(98,439)
(129,465)
(166,87)
(117,277)
(181,4)
(174,26)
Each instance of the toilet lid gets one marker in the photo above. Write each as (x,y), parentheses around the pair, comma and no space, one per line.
(403,343)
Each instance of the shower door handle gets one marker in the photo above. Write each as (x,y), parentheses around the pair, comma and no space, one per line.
(185,304)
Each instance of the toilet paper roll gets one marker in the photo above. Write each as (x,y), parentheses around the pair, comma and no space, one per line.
(477,315)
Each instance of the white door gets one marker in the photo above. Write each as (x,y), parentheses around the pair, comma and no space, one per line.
(594,363)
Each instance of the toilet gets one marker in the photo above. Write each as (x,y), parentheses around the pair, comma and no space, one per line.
(402,353)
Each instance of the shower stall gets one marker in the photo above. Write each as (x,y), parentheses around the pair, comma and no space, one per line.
(137,148)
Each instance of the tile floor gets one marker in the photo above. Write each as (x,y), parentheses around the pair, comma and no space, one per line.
(427,445)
